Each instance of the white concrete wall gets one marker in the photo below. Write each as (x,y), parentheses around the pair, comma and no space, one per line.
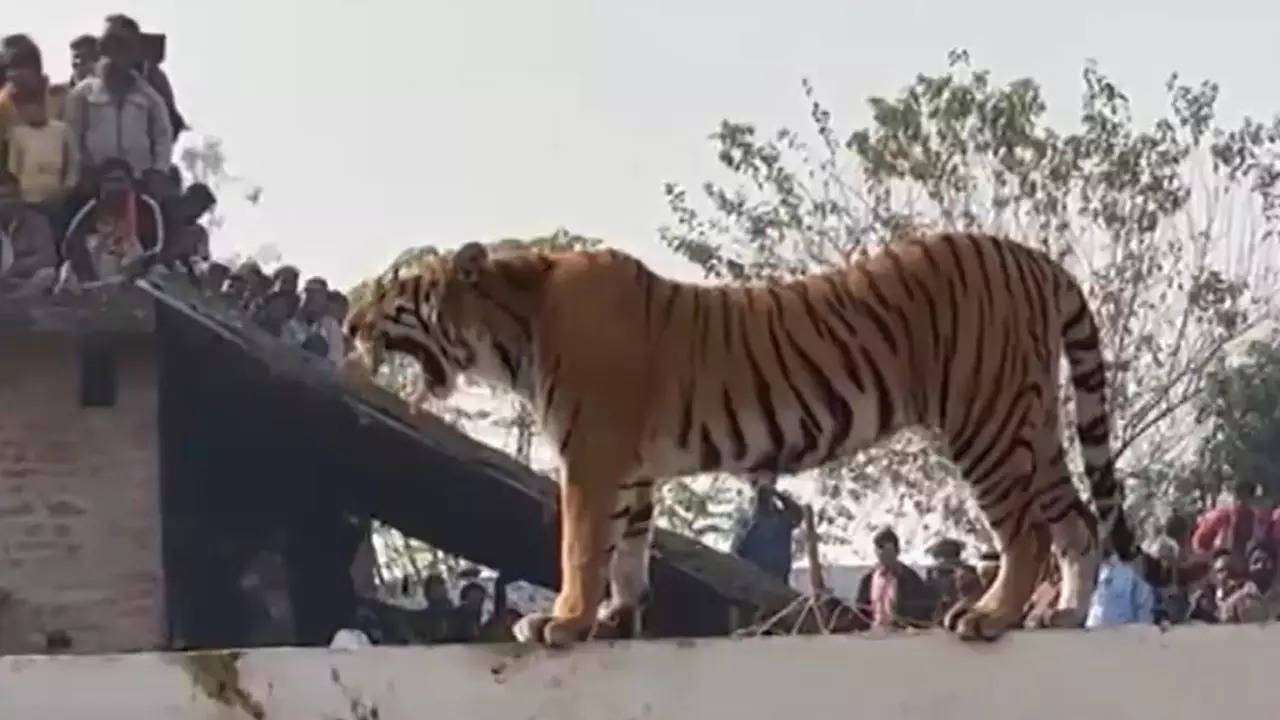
(1137,672)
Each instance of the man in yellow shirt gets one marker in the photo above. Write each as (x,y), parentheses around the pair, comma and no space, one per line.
(41,153)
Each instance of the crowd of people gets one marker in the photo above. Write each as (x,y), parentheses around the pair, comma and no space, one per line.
(310,317)
(88,189)
(441,618)
(89,193)
(1221,568)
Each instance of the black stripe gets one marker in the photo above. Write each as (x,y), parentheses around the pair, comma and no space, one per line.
(808,419)
(835,289)
(884,402)
(901,270)
(1074,320)
(988,407)
(949,241)
(710,456)
(508,360)
(642,514)
(987,282)
(1091,381)
(568,433)
(763,397)
(974,377)
(670,305)
(927,251)
(850,366)
(878,320)
(1093,432)
(1001,249)
(837,405)
(1087,345)
(1029,295)
(686,416)
(1012,420)
(552,386)
(949,357)
(739,448)
(803,291)
(998,493)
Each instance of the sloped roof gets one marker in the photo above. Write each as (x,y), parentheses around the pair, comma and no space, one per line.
(433,482)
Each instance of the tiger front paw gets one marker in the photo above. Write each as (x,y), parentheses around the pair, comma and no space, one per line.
(546,630)
(970,622)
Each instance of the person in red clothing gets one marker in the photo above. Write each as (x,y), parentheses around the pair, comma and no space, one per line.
(1235,525)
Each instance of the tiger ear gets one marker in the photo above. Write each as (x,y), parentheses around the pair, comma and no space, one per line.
(468,261)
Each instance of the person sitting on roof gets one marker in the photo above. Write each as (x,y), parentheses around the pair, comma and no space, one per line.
(1256,597)
(118,233)
(1122,595)
(28,255)
(189,240)
(213,277)
(324,331)
(948,573)
(248,286)
(276,315)
(285,279)
(892,594)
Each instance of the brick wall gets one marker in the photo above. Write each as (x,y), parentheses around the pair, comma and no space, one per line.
(79,502)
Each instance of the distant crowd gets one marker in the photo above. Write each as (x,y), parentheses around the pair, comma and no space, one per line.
(1221,568)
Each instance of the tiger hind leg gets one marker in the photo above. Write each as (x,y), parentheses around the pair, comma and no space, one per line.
(591,524)
(1005,496)
(1074,529)
(629,568)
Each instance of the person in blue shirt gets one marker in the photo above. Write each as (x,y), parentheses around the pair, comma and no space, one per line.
(1122,595)
(765,539)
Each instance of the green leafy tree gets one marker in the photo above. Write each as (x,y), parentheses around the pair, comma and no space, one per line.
(1241,406)
(1171,229)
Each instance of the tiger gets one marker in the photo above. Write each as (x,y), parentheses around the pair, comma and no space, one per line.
(635,378)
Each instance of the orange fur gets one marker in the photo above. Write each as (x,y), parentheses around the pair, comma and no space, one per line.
(636,378)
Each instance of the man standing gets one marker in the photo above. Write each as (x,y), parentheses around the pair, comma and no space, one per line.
(84,58)
(116,114)
(148,66)
(765,539)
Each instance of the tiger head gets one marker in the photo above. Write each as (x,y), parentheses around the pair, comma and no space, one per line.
(452,314)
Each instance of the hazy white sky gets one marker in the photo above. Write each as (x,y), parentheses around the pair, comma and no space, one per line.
(376,125)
